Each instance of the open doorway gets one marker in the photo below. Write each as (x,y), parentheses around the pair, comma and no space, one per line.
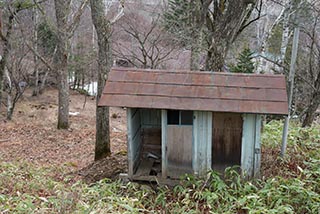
(226,140)
(150,158)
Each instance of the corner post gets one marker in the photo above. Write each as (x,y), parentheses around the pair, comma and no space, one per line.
(129,142)
(164,143)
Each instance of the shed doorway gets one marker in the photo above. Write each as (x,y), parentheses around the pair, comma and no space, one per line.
(179,142)
(226,140)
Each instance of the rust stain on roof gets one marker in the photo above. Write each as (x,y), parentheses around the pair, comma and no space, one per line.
(194,90)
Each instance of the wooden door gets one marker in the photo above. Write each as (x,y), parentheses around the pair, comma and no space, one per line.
(179,150)
(226,140)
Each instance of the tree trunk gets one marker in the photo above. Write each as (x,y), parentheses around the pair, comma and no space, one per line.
(35,59)
(103,29)
(216,55)
(195,52)
(6,49)
(43,81)
(61,61)
(225,20)
(311,110)
(285,38)
(314,104)
(9,97)
(9,107)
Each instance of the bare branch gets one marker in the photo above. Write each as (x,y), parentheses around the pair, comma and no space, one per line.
(119,14)
(43,60)
(76,19)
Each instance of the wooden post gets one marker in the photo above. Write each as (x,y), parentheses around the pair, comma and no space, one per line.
(291,86)
(129,142)
(201,143)
(257,148)
(248,145)
(164,143)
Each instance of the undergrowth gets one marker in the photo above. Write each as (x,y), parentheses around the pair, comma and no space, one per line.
(25,188)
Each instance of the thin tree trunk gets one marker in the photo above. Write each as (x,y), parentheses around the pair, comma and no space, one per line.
(285,38)
(9,107)
(103,29)
(43,82)
(75,80)
(9,97)
(36,70)
(61,61)
(6,49)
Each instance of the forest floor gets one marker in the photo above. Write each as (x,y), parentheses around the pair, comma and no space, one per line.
(32,136)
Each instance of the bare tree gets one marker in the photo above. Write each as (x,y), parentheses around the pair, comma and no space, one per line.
(311,79)
(225,20)
(16,74)
(99,10)
(6,37)
(219,24)
(65,30)
(146,44)
(10,10)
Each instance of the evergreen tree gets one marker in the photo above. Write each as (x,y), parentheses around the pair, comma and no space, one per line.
(180,20)
(244,64)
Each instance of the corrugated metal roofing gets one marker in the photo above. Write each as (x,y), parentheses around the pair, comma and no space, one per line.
(195,90)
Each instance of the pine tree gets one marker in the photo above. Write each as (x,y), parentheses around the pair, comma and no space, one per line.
(244,64)
(180,21)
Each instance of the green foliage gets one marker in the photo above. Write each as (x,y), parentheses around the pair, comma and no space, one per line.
(25,188)
(47,38)
(244,62)
(180,21)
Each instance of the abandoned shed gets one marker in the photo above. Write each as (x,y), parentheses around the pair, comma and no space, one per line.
(190,122)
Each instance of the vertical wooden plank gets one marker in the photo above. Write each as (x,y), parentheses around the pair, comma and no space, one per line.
(164,142)
(202,137)
(202,144)
(257,147)
(136,137)
(195,165)
(179,150)
(129,142)
(247,148)
(209,141)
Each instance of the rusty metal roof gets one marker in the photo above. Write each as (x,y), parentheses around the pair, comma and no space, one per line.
(194,90)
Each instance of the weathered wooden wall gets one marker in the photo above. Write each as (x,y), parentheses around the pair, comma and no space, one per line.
(134,139)
(251,147)
(201,152)
(150,118)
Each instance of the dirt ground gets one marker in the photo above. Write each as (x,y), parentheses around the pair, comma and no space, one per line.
(32,136)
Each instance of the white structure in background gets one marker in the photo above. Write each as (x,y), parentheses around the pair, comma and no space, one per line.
(91,88)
